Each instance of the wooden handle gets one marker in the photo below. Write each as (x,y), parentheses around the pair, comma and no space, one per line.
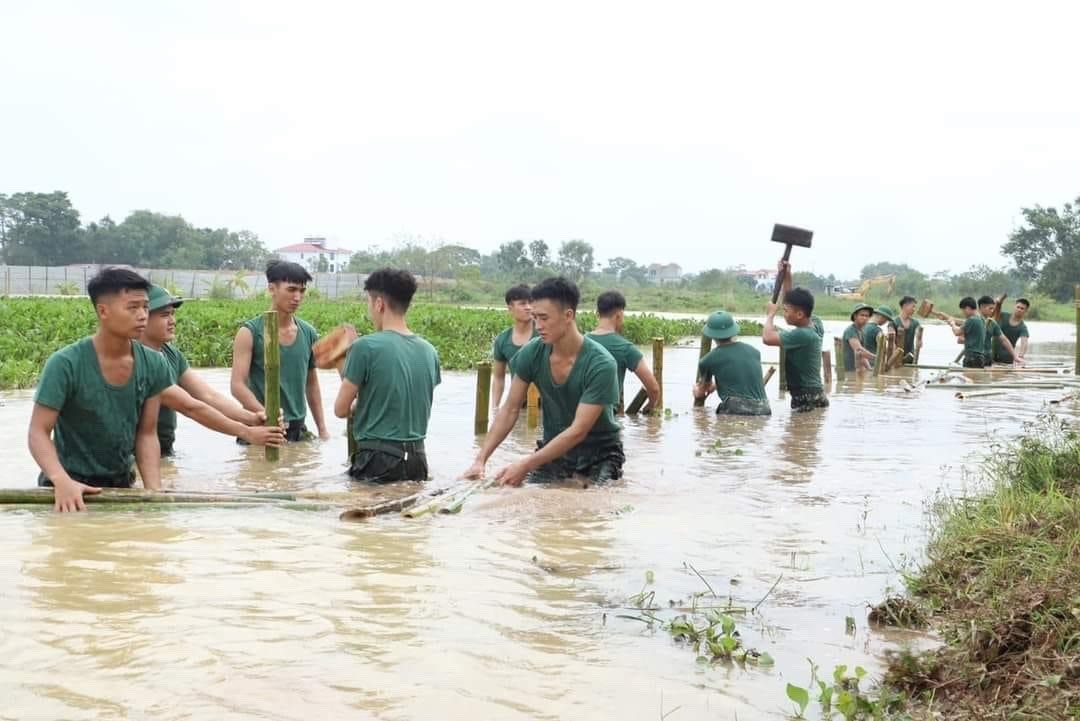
(780,276)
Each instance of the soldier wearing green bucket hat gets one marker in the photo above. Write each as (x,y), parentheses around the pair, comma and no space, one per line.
(880,321)
(856,354)
(732,369)
(191,395)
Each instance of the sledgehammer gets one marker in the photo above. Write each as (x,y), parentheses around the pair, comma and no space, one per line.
(789,235)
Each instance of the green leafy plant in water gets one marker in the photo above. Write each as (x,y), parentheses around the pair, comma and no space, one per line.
(843,697)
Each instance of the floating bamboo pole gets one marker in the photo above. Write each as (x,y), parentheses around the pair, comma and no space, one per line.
(532,407)
(826,366)
(838,349)
(1016,386)
(483,397)
(703,350)
(658,371)
(918,344)
(879,360)
(272,375)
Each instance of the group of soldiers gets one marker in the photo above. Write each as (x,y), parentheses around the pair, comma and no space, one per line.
(107,404)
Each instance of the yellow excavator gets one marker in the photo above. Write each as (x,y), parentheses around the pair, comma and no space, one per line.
(889,281)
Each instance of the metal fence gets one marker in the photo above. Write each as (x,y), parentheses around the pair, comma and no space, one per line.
(71,280)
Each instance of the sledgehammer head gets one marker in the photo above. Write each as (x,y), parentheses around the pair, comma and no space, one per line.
(790,235)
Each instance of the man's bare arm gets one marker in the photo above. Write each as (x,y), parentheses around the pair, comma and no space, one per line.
(241,368)
(147,448)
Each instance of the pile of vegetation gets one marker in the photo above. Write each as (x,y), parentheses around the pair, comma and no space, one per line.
(1003,582)
(32,328)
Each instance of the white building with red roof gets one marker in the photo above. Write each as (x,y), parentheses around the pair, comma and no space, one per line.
(315,255)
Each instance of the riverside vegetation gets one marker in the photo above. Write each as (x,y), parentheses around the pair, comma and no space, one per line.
(32,328)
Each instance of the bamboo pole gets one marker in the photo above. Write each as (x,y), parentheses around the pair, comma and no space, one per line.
(1018,386)
(703,350)
(901,341)
(1076,366)
(879,361)
(826,366)
(635,405)
(838,349)
(658,372)
(483,397)
(532,408)
(783,369)
(768,375)
(918,344)
(272,372)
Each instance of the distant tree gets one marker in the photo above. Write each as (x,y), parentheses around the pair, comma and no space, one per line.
(540,253)
(1046,249)
(40,229)
(576,259)
(512,259)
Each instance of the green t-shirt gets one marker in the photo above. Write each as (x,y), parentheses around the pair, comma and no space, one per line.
(852,331)
(166,423)
(296,360)
(95,430)
(504,349)
(974,330)
(593,380)
(736,368)
(625,353)
(993,332)
(819,326)
(909,333)
(870,335)
(397,375)
(802,359)
(1014,333)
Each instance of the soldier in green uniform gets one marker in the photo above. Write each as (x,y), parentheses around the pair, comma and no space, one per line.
(510,341)
(191,395)
(1015,329)
(801,346)
(856,355)
(881,321)
(994,336)
(910,325)
(732,369)
(387,385)
(98,399)
(287,283)
(579,387)
(971,332)
(610,313)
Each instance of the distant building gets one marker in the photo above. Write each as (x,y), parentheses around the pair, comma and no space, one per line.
(314,255)
(665,273)
(763,279)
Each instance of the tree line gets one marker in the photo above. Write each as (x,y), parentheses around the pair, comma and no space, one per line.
(45,229)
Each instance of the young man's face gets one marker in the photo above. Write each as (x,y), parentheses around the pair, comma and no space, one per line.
(880,319)
(969,311)
(793,315)
(551,319)
(1019,311)
(987,310)
(376,309)
(161,326)
(287,296)
(907,310)
(520,310)
(124,313)
(861,318)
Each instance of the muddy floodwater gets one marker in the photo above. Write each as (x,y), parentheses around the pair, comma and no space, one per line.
(508,610)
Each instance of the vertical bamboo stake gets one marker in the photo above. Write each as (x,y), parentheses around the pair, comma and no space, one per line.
(483,397)
(350,441)
(706,346)
(658,371)
(901,341)
(1076,368)
(918,344)
(879,362)
(532,410)
(783,369)
(838,350)
(826,366)
(272,373)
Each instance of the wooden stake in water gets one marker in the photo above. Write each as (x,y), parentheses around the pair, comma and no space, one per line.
(901,341)
(918,344)
(826,366)
(838,350)
(272,370)
(783,369)
(532,408)
(706,346)
(658,372)
(483,397)
(879,362)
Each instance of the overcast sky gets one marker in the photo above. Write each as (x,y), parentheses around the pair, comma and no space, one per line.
(663,131)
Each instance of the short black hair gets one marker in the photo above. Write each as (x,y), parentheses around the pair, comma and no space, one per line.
(986,300)
(560,290)
(396,286)
(1025,301)
(518,292)
(905,300)
(278,271)
(113,280)
(610,301)
(800,298)
(968,302)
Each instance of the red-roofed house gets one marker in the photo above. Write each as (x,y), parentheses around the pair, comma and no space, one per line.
(314,255)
